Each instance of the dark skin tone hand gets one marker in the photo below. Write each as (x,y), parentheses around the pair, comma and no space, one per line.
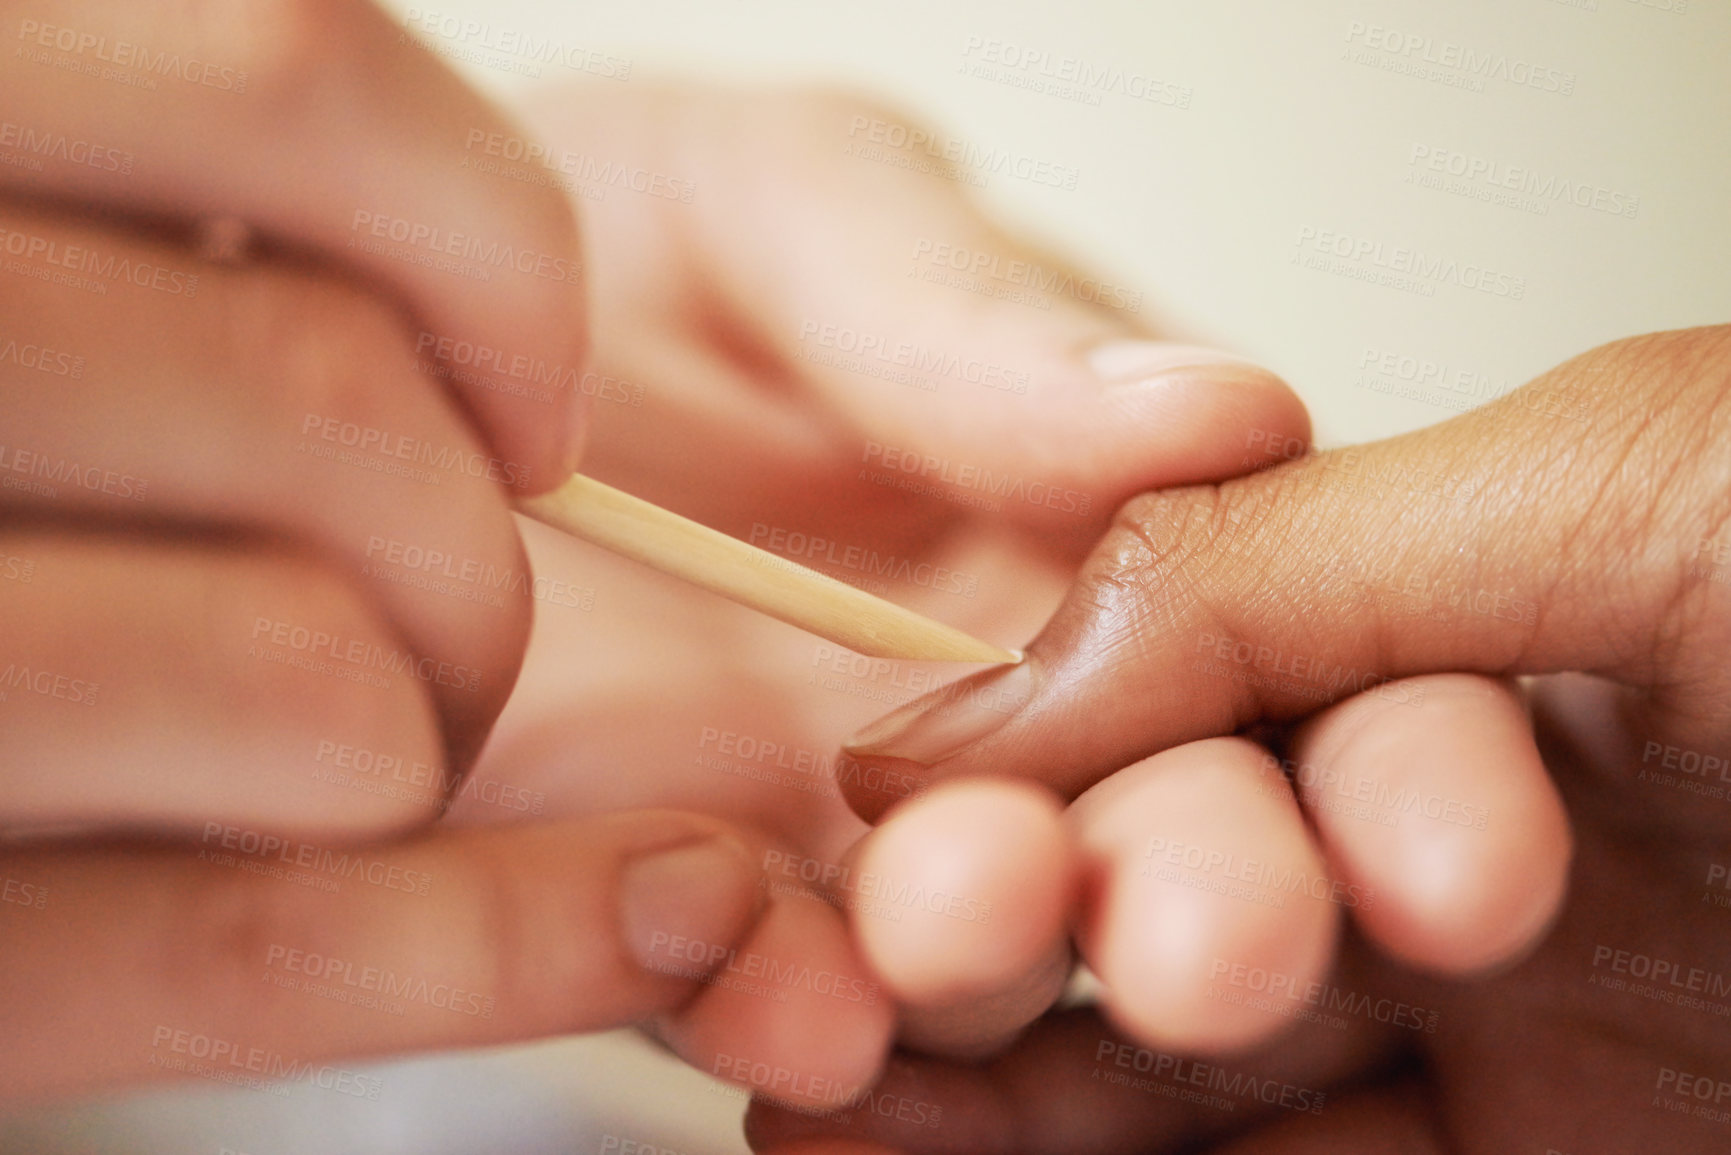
(1604,493)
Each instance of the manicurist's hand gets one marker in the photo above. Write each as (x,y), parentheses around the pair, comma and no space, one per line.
(272,364)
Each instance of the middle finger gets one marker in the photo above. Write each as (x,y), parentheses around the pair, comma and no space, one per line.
(274,402)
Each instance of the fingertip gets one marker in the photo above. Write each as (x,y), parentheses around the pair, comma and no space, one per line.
(993,871)
(1447,813)
(792,1014)
(1222,419)
(1180,415)
(1477,909)
(537,438)
(1482,924)
(1196,876)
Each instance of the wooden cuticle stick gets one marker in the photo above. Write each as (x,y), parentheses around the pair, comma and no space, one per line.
(785,590)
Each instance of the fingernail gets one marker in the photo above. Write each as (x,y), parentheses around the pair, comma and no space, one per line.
(932,728)
(702,893)
(1119,363)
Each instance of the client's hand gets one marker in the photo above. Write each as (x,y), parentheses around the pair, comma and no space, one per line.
(1580,524)
(245,281)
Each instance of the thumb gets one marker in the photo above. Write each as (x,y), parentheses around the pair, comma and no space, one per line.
(1567,526)
(966,364)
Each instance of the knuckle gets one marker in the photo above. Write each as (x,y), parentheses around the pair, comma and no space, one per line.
(229,921)
(1156,539)
(1140,584)
(317,664)
(327,330)
(1178,565)
(540,958)
(316,346)
(384,462)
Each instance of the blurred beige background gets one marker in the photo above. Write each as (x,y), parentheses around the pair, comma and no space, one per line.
(1283,135)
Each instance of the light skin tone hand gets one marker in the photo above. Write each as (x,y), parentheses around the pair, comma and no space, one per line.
(1572,536)
(228,403)
(240,691)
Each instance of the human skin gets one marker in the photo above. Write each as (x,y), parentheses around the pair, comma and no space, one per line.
(1601,495)
(711,330)
(649,698)
(173,869)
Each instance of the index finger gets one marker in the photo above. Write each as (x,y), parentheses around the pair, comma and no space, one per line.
(322,126)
